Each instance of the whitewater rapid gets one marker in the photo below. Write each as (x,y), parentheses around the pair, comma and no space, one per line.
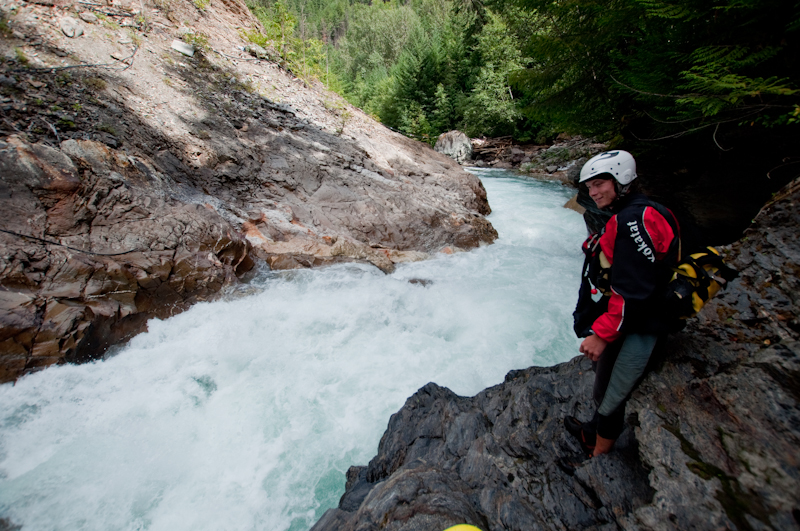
(245,413)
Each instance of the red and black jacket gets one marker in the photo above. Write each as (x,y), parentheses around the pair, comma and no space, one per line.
(641,244)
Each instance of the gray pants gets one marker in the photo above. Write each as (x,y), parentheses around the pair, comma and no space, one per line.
(617,373)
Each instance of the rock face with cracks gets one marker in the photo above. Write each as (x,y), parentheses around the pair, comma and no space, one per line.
(710,442)
(135,180)
(455,145)
(105,249)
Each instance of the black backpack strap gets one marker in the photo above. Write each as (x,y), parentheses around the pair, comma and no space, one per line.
(724,271)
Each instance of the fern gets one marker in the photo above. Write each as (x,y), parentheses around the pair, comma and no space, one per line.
(665,10)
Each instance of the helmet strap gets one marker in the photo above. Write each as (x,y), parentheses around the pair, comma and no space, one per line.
(622,189)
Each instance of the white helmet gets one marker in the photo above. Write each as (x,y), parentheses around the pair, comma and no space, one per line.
(619,164)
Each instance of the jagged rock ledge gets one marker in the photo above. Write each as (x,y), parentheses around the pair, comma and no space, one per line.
(135,191)
(96,241)
(711,438)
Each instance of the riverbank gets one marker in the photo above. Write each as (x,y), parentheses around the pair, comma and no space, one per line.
(149,161)
(710,439)
(714,193)
(251,408)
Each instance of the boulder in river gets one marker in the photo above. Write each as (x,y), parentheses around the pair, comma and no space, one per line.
(455,145)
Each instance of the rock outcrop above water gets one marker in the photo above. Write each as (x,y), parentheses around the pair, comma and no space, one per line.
(136,180)
(455,145)
(711,438)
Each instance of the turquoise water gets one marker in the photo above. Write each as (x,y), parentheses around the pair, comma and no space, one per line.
(246,413)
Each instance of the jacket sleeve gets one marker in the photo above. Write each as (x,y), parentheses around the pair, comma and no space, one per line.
(635,242)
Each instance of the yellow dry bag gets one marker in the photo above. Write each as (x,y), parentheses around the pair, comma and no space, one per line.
(695,280)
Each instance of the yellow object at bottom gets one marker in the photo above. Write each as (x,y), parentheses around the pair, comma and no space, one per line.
(462,527)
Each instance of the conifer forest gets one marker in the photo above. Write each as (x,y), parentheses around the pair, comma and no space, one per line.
(627,71)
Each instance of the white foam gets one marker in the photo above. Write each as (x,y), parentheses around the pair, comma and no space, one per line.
(246,413)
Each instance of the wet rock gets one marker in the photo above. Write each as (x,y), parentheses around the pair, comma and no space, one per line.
(110,253)
(573,204)
(518,155)
(710,439)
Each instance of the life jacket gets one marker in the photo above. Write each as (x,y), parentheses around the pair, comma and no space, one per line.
(595,291)
(695,280)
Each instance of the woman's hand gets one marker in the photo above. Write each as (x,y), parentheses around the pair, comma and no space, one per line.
(593,346)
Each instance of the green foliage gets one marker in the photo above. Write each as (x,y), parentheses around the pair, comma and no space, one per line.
(21,57)
(389,58)
(279,25)
(197,39)
(443,116)
(534,68)
(738,63)
(5,30)
(663,67)
(714,84)
(491,108)
(376,37)
(256,37)
(305,56)
(408,64)
(110,129)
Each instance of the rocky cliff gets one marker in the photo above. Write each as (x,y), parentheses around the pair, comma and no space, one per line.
(711,440)
(147,161)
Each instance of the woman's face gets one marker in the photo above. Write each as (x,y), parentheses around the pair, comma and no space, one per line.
(602,191)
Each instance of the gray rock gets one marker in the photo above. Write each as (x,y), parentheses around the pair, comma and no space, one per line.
(710,441)
(257,51)
(455,145)
(88,17)
(182,47)
(71,27)
(8,81)
(144,254)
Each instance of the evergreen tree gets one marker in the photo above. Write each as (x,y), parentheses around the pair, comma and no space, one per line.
(491,108)
(670,67)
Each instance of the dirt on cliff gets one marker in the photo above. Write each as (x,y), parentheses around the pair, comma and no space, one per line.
(148,161)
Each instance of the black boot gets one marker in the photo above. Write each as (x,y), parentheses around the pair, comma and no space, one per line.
(585,432)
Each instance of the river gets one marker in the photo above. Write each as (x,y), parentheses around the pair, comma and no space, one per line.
(245,413)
